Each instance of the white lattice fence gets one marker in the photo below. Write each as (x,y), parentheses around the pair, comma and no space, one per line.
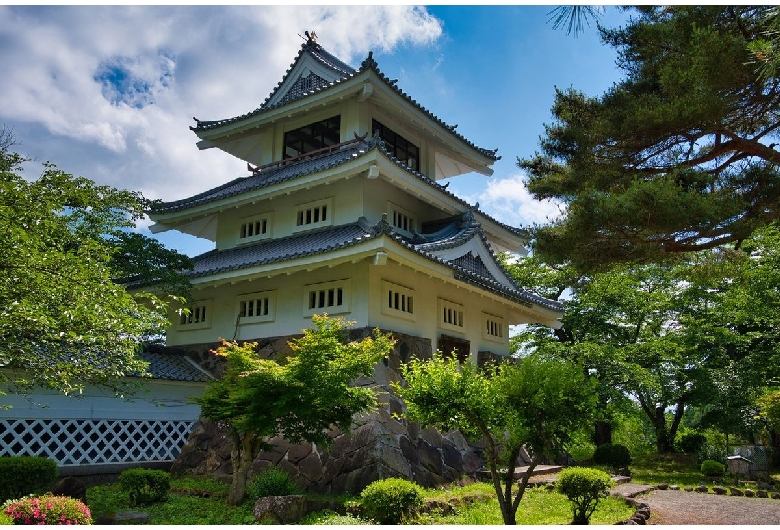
(83,442)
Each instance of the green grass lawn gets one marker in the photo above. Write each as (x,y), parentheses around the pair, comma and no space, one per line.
(202,501)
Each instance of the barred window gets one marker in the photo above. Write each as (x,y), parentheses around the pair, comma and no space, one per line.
(328,297)
(398,300)
(257,307)
(451,315)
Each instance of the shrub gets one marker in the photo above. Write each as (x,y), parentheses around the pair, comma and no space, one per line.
(584,488)
(47,509)
(391,501)
(25,475)
(145,486)
(615,456)
(691,442)
(712,468)
(272,481)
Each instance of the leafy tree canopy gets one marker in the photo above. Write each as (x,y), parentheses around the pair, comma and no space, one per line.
(299,399)
(538,402)
(65,321)
(697,332)
(679,156)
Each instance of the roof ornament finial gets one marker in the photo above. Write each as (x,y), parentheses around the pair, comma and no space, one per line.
(311,38)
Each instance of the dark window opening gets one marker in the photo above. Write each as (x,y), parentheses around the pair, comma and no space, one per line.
(312,137)
(398,146)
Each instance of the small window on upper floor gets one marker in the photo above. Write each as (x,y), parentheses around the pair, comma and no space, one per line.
(198,316)
(400,218)
(398,146)
(398,300)
(451,315)
(254,228)
(312,137)
(327,297)
(314,214)
(257,307)
(493,328)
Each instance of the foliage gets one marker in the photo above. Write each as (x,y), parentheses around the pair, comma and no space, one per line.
(584,488)
(391,500)
(711,468)
(145,486)
(537,402)
(691,442)
(769,405)
(670,468)
(272,481)
(616,456)
(299,399)
(678,156)
(25,475)
(329,517)
(48,509)
(65,319)
(696,333)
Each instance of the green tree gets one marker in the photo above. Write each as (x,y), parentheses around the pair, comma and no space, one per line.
(677,157)
(299,399)
(701,332)
(536,402)
(65,320)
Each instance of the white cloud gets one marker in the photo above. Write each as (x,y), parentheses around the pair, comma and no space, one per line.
(508,199)
(108,92)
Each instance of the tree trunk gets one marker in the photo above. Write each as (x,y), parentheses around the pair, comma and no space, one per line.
(602,433)
(662,442)
(241,456)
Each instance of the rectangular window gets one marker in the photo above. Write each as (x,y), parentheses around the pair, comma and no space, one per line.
(451,315)
(493,328)
(401,219)
(312,137)
(198,316)
(398,301)
(328,297)
(314,214)
(257,307)
(254,228)
(398,146)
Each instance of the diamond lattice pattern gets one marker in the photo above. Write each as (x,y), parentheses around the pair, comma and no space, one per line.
(81,442)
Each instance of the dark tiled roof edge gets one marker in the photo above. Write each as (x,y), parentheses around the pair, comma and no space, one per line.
(368,64)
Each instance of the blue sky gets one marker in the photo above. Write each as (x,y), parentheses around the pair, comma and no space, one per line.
(109,92)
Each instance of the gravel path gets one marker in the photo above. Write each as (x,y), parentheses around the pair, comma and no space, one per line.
(684,508)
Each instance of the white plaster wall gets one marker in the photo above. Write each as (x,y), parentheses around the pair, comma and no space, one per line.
(347,197)
(157,400)
(289,297)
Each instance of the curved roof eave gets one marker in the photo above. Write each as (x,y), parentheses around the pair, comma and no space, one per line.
(369,64)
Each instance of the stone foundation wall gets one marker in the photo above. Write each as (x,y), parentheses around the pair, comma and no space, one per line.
(379,445)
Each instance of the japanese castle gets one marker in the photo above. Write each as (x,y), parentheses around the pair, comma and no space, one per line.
(342,211)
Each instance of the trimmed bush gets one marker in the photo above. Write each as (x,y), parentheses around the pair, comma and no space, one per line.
(584,488)
(272,481)
(25,475)
(391,501)
(145,486)
(691,442)
(616,456)
(47,509)
(712,468)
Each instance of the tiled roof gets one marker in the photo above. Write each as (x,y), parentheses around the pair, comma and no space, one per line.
(173,367)
(330,239)
(282,249)
(320,54)
(267,178)
(309,166)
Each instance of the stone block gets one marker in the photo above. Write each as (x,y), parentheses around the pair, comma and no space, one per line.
(298,452)
(736,492)
(688,488)
(311,467)
(749,492)
(288,509)
(762,494)
(719,490)
(393,459)
(431,436)
(71,487)
(472,462)
(430,458)
(452,457)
